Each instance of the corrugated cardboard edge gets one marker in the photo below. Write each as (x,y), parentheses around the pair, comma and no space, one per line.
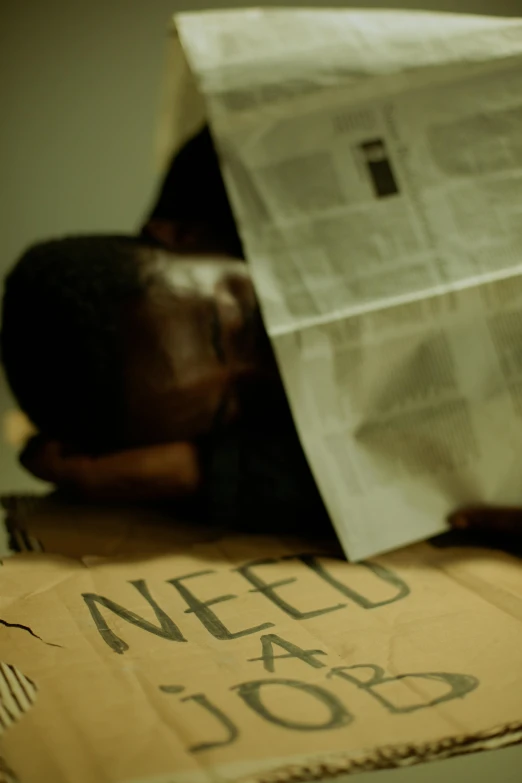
(313,768)
(392,757)
(14,538)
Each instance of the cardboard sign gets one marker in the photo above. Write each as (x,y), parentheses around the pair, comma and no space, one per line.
(173,655)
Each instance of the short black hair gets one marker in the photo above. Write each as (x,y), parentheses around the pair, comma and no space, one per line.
(62,337)
(194,190)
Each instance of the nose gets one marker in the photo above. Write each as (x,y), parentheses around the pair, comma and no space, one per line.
(229,308)
(241,287)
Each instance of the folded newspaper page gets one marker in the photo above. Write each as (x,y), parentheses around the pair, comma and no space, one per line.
(374,162)
(134,649)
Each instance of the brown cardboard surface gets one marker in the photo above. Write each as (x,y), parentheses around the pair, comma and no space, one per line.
(136,650)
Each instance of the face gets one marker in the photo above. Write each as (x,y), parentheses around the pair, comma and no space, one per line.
(196,348)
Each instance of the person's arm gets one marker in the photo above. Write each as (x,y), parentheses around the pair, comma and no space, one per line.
(155,473)
(245,478)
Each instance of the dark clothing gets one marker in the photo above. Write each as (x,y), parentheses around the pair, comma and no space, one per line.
(258,480)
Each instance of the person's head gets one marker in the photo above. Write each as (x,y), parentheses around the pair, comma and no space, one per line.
(113,341)
(109,341)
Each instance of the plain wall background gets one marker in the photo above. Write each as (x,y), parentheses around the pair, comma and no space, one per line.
(80,84)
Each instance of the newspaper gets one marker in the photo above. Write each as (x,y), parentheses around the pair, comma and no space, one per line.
(374,163)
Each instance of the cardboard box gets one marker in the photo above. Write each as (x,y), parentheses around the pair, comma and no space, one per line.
(171,655)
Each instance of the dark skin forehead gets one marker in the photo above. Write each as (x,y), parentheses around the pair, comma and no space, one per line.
(179,381)
(195,345)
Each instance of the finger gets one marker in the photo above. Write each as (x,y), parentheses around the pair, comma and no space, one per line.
(501,520)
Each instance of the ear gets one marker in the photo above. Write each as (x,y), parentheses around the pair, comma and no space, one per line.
(190,237)
(185,237)
(165,233)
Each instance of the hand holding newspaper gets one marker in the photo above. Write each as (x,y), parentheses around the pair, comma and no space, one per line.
(374,162)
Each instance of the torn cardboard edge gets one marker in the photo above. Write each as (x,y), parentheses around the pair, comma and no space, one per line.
(15,538)
(392,757)
(6,774)
(18,510)
(333,766)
